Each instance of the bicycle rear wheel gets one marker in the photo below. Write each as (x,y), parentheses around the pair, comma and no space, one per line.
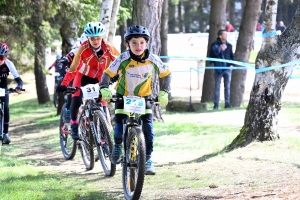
(67,144)
(133,172)
(104,143)
(85,145)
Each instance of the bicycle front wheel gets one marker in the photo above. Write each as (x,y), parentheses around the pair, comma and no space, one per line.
(133,171)
(104,143)
(85,145)
(67,144)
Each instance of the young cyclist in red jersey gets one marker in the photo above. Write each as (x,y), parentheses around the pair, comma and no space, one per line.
(90,61)
(65,63)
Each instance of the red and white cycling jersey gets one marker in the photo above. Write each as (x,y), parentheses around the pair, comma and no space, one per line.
(87,62)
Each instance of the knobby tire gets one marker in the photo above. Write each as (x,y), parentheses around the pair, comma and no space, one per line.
(85,145)
(67,144)
(104,143)
(133,172)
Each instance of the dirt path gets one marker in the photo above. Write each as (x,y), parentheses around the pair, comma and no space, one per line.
(282,182)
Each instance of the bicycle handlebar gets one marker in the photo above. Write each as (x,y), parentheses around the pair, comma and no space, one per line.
(71,90)
(116,99)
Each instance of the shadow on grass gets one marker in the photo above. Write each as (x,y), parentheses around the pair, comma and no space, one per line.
(52,185)
(28,116)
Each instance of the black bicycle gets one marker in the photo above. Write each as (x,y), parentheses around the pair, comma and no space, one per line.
(58,77)
(94,132)
(67,144)
(134,158)
(2,93)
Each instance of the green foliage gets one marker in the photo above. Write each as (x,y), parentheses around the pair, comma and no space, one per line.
(125,11)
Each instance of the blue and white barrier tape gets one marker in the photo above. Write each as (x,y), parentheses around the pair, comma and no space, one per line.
(245,66)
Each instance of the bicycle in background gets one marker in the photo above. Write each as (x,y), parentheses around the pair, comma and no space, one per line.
(67,144)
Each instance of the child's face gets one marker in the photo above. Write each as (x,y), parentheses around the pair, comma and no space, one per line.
(137,45)
(95,41)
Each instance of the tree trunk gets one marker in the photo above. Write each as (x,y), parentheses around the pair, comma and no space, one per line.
(172,17)
(68,32)
(265,98)
(243,48)
(202,17)
(148,13)
(105,15)
(217,21)
(188,16)
(113,20)
(164,30)
(39,53)
(231,10)
(122,29)
(180,17)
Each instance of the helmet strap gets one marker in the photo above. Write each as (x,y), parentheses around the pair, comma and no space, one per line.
(142,58)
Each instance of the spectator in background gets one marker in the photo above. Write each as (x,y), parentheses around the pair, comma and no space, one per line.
(281,27)
(222,49)
(229,27)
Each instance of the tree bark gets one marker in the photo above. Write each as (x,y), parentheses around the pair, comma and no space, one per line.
(113,20)
(231,10)
(68,32)
(39,53)
(243,48)
(172,17)
(180,17)
(265,98)
(122,29)
(105,15)
(164,30)
(148,13)
(217,21)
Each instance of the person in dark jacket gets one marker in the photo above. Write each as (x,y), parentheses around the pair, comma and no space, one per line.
(222,49)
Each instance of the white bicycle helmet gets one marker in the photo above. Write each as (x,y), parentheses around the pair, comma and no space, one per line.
(94,29)
(83,38)
(4,50)
(136,31)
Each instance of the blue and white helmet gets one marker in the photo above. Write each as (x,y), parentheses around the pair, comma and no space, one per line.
(94,29)
(136,31)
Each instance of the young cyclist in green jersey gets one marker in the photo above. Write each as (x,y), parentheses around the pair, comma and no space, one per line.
(136,67)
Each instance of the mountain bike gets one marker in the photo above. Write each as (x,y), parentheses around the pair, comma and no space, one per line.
(67,144)
(134,158)
(2,94)
(93,131)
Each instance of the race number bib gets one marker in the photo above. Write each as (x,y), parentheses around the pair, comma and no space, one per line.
(90,91)
(2,92)
(134,104)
